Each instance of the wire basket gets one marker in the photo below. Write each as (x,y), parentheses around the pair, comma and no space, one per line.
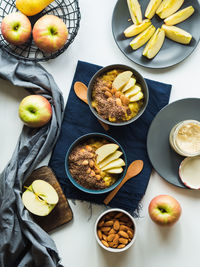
(67,10)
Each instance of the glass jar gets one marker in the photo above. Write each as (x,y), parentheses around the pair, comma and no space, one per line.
(184,138)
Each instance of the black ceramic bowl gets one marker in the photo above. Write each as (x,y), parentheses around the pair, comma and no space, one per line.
(83,139)
(139,79)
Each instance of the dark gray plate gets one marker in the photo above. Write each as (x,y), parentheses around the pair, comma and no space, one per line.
(171,52)
(163,158)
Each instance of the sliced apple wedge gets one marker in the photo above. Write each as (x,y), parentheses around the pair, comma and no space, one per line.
(45,191)
(114,164)
(151,8)
(136,29)
(133,91)
(40,198)
(155,43)
(136,97)
(179,16)
(142,38)
(122,79)
(177,34)
(135,11)
(115,170)
(105,150)
(168,7)
(129,85)
(110,158)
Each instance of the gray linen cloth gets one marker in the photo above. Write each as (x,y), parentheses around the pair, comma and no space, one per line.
(22,242)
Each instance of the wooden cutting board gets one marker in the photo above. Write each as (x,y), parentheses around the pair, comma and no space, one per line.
(62,212)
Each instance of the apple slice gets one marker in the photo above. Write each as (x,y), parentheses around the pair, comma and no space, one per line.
(115,170)
(40,198)
(133,91)
(155,43)
(151,8)
(176,34)
(136,29)
(142,38)
(105,150)
(114,164)
(135,11)
(45,191)
(136,97)
(110,158)
(189,172)
(179,16)
(122,79)
(168,7)
(130,84)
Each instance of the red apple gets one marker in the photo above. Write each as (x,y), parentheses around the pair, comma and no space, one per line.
(50,33)
(164,210)
(35,111)
(16,28)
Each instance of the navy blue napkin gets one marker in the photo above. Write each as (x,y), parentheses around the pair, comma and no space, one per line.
(79,120)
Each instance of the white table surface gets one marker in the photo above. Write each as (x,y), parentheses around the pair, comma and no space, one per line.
(155,246)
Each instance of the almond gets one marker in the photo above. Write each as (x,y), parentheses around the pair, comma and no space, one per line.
(124,218)
(108,94)
(101,223)
(123,234)
(116,225)
(116,239)
(118,102)
(105,229)
(109,223)
(121,246)
(112,231)
(99,233)
(123,228)
(118,215)
(104,237)
(130,234)
(112,245)
(105,243)
(111,237)
(123,240)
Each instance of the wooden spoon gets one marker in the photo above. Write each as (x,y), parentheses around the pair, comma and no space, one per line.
(80,90)
(134,169)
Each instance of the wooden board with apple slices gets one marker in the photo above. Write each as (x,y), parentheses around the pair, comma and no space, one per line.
(62,212)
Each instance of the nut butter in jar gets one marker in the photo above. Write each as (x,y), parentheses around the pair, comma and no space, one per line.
(185,138)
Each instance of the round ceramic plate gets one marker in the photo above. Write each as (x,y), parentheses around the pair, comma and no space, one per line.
(171,52)
(163,158)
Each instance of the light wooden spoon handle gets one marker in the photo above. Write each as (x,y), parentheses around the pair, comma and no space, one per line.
(114,192)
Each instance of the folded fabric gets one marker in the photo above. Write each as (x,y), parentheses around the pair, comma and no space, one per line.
(79,120)
(23,242)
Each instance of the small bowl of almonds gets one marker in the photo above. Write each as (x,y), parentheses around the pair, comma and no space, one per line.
(115,230)
(117,95)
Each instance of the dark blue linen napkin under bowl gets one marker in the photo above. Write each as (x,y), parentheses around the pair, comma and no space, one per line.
(79,120)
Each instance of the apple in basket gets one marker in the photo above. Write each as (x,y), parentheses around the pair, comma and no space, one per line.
(50,33)
(40,198)
(164,210)
(35,111)
(16,28)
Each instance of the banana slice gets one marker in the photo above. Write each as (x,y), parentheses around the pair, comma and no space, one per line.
(142,38)
(136,29)
(136,97)
(115,170)
(168,7)
(151,8)
(155,43)
(177,34)
(135,11)
(179,16)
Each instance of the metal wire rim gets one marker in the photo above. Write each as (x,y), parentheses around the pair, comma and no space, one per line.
(67,10)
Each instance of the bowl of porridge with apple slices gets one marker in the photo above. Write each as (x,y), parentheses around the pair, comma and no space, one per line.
(117,95)
(95,163)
